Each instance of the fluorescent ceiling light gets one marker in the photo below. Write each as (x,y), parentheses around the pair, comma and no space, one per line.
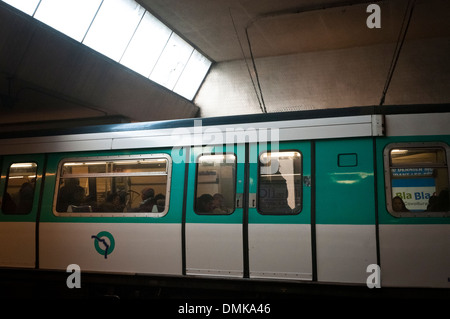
(146,46)
(192,76)
(71,17)
(172,62)
(125,32)
(113,27)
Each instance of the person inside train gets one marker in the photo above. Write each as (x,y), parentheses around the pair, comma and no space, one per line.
(219,207)
(70,194)
(113,203)
(160,201)
(205,204)
(439,203)
(432,203)
(444,201)
(273,192)
(148,200)
(398,205)
(26,194)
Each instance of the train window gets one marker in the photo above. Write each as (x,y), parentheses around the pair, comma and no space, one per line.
(280,183)
(120,186)
(216,180)
(348,160)
(418,178)
(19,190)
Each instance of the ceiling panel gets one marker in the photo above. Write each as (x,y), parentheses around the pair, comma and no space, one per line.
(292,26)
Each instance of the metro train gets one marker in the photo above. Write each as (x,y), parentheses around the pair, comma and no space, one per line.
(315,197)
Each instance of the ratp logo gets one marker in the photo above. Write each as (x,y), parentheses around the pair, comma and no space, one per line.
(104,243)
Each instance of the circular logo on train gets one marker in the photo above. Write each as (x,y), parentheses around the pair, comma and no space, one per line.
(104,243)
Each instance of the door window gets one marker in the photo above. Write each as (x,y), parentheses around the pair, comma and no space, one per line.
(215,187)
(19,190)
(280,183)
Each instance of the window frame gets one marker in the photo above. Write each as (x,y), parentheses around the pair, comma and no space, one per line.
(388,180)
(197,162)
(296,211)
(6,188)
(165,156)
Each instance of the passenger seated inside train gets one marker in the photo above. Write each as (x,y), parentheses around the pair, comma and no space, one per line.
(114,203)
(26,194)
(219,205)
(436,203)
(148,203)
(439,203)
(205,204)
(70,194)
(160,200)
(398,205)
(20,203)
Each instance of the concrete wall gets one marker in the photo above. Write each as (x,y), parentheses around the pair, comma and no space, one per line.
(331,79)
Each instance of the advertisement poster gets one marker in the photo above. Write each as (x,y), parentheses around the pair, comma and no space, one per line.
(414,185)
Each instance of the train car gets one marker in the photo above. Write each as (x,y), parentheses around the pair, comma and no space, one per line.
(341,197)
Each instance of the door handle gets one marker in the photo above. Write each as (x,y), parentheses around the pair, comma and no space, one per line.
(252,200)
(239,198)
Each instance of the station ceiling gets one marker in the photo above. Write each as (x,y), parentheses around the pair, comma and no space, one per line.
(293,26)
(45,77)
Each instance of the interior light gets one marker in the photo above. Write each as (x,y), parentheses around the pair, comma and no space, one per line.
(399,152)
(266,156)
(81,163)
(23,165)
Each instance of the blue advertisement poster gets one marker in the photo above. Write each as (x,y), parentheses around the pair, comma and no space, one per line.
(415,192)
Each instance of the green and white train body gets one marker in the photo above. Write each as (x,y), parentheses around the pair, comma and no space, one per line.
(307,196)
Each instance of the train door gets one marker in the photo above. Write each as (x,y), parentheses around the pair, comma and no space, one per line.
(214,213)
(279,213)
(414,211)
(20,185)
(345,216)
